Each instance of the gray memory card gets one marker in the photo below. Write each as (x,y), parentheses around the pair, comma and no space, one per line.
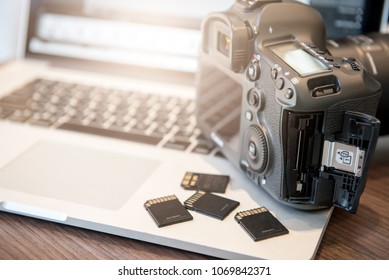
(167,210)
(210,204)
(260,224)
(205,182)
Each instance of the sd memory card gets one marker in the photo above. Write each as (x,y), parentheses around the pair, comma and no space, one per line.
(210,204)
(167,210)
(260,224)
(205,182)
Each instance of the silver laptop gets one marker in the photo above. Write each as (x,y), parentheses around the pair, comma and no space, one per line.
(98,117)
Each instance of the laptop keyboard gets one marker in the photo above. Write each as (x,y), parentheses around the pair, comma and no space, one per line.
(165,121)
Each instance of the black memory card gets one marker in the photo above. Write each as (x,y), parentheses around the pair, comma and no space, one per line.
(205,182)
(260,224)
(210,204)
(167,210)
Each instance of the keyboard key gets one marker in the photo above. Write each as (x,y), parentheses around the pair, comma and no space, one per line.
(204,148)
(14,101)
(202,137)
(162,129)
(184,133)
(177,144)
(183,122)
(41,122)
(147,139)
(140,125)
(18,118)
(25,92)
(5,112)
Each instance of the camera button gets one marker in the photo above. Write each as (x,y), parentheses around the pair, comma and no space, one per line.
(253,71)
(289,93)
(254,98)
(274,74)
(329,58)
(280,83)
(249,116)
(252,150)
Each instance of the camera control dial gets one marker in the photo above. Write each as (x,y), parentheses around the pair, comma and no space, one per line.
(255,148)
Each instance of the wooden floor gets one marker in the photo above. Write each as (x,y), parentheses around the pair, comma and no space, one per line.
(364,235)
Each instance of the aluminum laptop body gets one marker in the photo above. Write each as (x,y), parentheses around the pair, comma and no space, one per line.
(95,168)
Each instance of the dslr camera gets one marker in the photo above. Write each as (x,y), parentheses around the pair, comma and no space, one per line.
(297,120)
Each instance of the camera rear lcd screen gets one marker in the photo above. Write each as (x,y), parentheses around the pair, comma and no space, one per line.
(301,61)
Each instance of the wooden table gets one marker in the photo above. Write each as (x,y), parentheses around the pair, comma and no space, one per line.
(364,235)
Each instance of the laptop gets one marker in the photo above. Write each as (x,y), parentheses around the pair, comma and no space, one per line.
(98,117)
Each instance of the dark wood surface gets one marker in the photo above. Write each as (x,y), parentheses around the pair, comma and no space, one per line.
(364,235)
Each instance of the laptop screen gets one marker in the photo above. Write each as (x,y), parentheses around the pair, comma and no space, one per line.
(154,34)
(352,17)
(149,33)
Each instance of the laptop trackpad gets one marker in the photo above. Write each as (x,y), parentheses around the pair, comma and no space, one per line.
(77,174)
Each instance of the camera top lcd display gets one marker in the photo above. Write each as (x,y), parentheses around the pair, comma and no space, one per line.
(300,60)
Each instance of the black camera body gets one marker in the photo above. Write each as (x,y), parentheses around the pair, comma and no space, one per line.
(373,51)
(298,121)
